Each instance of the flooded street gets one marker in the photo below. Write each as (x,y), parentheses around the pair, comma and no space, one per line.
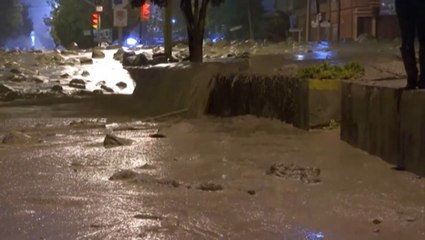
(208,178)
(96,167)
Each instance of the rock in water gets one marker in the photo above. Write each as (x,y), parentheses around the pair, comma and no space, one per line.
(16,138)
(114,141)
(85,73)
(141,60)
(121,85)
(123,175)
(97,53)
(107,89)
(78,83)
(57,88)
(119,54)
(86,60)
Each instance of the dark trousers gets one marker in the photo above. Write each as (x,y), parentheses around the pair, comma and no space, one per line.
(411,17)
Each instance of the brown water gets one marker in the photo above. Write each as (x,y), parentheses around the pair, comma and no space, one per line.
(55,185)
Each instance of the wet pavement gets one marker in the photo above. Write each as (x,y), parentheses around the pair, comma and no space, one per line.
(204,178)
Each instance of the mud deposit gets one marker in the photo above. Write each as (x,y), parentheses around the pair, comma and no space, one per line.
(207,179)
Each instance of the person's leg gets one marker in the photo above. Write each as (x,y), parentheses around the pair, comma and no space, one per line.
(420,24)
(406,18)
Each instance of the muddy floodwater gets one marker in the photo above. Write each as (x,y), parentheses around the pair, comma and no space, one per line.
(95,167)
(205,178)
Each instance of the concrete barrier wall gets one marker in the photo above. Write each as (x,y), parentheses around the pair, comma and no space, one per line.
(173,87)
(383,121)
(303,103)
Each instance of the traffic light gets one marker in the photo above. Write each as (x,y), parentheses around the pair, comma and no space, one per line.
(95,20)
(145,12)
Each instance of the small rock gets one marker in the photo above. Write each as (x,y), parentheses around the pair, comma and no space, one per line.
(107,89)
(72,62)
(158,60)
(376,221)
(37,80)
(86,60)
(121,85)
(119,54)
(16,138)
(85,73)
(141,60)
(123,175)
(78,83)
(4,89)
(377,230)
(410,219)
(98,92)
(251,192)
(57,88)
(17,78)
(114,141)
(68,52)
(65,75)
(97,53)
(16,71)
(210,187)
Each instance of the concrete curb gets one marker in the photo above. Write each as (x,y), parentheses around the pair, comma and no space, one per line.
(385,121)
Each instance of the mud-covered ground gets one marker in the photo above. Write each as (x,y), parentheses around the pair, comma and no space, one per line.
(207,178)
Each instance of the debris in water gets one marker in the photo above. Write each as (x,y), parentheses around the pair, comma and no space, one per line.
(292,171)
(210,187)
(148,217)
(251,192)
(157,135)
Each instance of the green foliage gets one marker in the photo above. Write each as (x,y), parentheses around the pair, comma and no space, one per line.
(327,71)
(14,20)
(71,18)
(333,124)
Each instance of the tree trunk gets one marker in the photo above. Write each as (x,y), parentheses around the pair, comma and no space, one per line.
(195,22)
(196,55)
(168,36)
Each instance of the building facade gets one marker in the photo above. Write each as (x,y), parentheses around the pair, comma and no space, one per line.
(342,19)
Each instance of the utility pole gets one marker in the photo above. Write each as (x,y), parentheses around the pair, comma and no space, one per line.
(251,30)
(339,21)
(307,21)
(168,30)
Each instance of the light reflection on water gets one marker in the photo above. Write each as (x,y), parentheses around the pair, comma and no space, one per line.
(317,51)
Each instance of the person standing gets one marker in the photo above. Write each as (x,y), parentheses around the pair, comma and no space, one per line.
(411,18)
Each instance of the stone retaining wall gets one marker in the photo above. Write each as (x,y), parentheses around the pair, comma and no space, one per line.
(385,121)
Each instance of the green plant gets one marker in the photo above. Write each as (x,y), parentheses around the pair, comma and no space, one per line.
(330,72)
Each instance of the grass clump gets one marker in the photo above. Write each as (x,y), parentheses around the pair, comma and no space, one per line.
(327,71)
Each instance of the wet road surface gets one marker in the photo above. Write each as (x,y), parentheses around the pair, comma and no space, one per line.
(209,178)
